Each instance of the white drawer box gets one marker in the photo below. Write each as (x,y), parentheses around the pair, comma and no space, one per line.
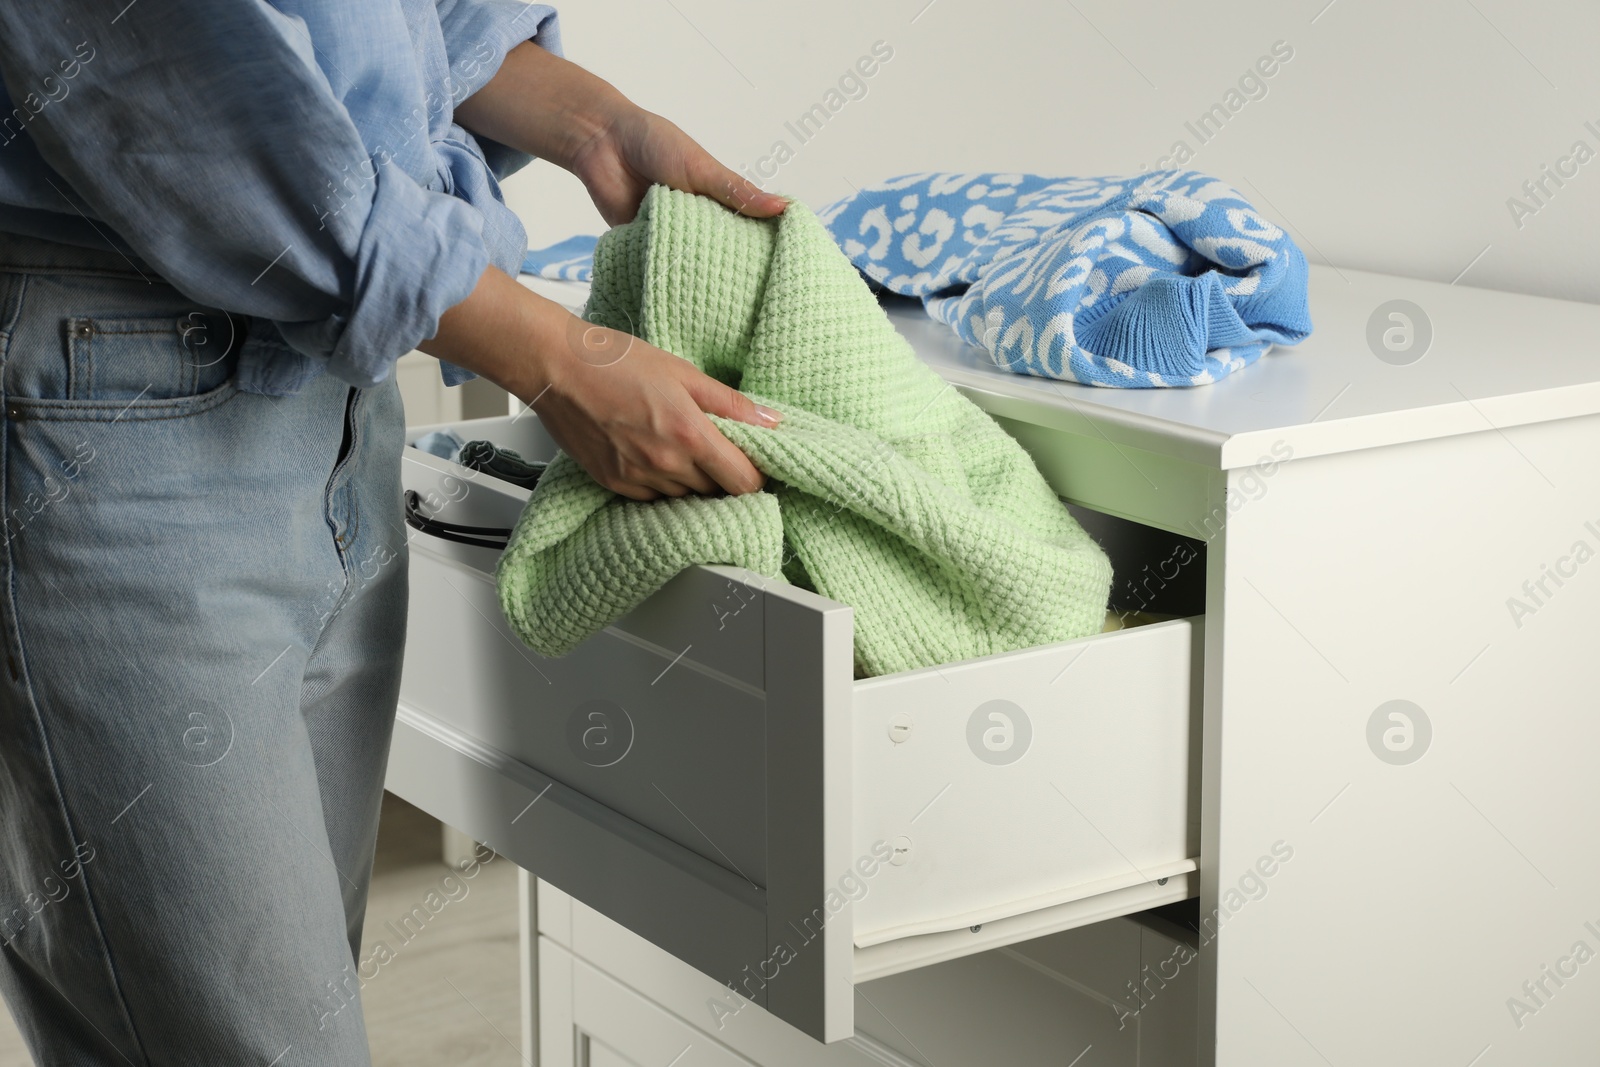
(708,772)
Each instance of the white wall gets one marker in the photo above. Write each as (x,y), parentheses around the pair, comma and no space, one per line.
(1391,141)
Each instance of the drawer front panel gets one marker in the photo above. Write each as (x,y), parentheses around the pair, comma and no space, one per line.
(636,1031)
(709,726)
(1113,986)
(616,719)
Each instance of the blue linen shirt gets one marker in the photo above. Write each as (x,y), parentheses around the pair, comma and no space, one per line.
(294,161)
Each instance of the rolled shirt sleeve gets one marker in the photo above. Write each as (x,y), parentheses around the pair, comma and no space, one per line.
(477,36)
(220,142)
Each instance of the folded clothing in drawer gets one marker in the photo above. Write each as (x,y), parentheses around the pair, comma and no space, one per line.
(486,457)
(889,490)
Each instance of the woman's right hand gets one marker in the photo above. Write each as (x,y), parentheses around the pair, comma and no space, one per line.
(631,415)
(635,418)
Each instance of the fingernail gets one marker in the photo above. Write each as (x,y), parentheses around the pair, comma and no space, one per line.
(768,415)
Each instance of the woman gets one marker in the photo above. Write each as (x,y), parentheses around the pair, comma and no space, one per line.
(223,223)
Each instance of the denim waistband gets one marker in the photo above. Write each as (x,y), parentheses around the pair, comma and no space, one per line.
(268,364)
(21,253)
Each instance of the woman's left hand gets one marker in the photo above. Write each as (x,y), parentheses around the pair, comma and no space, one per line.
(546,106)
(638,149)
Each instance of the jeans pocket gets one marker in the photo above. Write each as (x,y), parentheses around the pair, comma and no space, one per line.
(135,366)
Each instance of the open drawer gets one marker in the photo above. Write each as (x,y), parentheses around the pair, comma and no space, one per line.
(708,773)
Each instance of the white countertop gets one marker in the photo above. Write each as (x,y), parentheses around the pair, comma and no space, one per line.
(1495,360)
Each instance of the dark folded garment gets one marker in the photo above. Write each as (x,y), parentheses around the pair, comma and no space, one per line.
(502,463)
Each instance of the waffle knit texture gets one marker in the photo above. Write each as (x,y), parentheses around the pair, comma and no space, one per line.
(887,489)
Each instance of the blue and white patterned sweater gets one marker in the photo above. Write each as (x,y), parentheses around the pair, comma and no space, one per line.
(1165,279)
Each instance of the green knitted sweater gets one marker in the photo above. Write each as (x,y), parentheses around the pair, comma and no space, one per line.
(887,489)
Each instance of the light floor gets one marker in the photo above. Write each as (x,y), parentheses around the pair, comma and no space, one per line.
(449,995)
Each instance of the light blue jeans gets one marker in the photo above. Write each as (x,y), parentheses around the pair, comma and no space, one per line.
(202,618)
